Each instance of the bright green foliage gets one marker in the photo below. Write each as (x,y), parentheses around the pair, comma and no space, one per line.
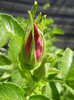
(51,91)
(51,78)
(4,37)
(46,6)
(12,27)
(66,62)
(10,91)
(49,21)
(37,20)
(13,50)
(21,20)
(14,78)
(67,69)
(39,71)
(33,10)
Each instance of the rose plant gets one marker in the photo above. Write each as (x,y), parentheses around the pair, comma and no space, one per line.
(31,68)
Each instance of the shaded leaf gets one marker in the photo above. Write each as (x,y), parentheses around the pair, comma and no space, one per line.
(4,60)
(38,97)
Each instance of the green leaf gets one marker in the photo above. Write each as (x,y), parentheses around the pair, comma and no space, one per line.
(37,20)
(46,6)
(15,77)
(52,72)
(4,77)
(66,62)
(68,96)
(4,60)
(4,37)
(22,21)
(6,68)
(10,91)
(33,10)
(70,75)
(70,78)
(38,97)
(13,50)
(11,26)
(55,30)
(67,69)
(49,21)
(51,91)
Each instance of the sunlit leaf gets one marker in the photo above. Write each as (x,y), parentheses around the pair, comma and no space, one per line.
(10,91)
(66,62)
(12,27)
(13,50)
(4,37)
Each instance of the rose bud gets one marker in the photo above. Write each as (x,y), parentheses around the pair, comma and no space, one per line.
(33,48)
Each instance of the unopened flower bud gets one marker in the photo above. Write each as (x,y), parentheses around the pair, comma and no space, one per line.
(32,48)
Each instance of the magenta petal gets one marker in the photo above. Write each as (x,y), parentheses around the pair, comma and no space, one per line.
(38,48)
(38,45)
(28,43)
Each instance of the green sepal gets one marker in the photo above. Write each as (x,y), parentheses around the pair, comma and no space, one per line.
(24,67)
(37,20)
(39,72)
(33,10)
(43,23)
(43,46)
(27,63)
